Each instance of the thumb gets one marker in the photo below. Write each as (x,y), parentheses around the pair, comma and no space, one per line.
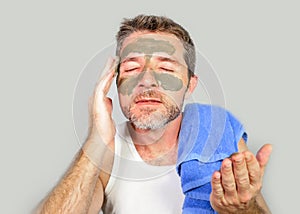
(263,156)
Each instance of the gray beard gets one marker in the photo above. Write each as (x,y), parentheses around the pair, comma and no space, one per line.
(151,118)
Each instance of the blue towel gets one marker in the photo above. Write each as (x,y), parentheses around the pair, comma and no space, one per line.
(208,134)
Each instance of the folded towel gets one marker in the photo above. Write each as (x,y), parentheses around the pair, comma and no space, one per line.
(195,173)
(192,206)
(197,200)
(208,134)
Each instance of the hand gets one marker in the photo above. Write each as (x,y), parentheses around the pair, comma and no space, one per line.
(236,187)
(102,126)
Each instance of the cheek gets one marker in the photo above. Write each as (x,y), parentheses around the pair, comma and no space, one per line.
(169,82)
(124,100)
(127,84)
(175,97)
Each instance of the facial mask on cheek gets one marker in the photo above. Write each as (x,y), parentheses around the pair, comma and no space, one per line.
(126,85)
(166,81)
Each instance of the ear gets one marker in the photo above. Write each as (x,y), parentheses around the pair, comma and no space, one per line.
(193,84)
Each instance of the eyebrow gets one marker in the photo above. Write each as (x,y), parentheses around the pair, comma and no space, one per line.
(134,59)
(166,59)
(160,58)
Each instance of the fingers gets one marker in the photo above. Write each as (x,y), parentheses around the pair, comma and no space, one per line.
(217,189)
(254,171)
(241,175)
(105,81)
(103,86)
(263,156)
(239,180)
(227,179)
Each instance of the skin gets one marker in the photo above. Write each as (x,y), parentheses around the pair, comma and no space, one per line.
(155,65)
(235,187)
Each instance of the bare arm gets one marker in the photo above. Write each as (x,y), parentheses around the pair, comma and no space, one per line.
(74,192)
(236,188)
(81,186)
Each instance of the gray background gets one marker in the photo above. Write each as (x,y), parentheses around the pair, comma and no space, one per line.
(253,46)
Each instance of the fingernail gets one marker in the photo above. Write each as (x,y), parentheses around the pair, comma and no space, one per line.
(228,164)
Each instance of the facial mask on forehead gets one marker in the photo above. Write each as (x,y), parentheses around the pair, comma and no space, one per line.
(148,46)
(165,80)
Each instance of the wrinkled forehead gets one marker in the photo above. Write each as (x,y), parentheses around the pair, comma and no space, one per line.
(153,45)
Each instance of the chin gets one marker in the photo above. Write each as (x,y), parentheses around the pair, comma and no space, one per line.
(149,126)
(153,121)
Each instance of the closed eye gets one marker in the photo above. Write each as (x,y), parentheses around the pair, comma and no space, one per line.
(166,69)
(130,66)
(131,69)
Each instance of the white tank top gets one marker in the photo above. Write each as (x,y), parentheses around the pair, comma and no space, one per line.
(137,187)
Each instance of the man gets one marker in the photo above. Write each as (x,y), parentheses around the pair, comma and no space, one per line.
(131,169)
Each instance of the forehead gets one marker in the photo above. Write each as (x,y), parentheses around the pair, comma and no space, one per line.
(147,43)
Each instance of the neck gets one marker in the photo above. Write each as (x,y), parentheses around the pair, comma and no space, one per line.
(159,146)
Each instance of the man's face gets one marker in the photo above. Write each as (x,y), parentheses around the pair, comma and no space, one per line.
(153,79)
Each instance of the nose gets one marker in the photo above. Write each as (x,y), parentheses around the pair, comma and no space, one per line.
(148,80)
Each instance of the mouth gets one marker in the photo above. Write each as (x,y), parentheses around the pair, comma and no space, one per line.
(148,101)
(149,98)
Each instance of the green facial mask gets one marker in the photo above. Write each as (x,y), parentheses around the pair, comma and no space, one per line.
(165,80)
(148,46)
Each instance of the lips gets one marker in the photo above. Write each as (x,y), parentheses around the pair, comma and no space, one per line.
(148,101)
(148,98)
